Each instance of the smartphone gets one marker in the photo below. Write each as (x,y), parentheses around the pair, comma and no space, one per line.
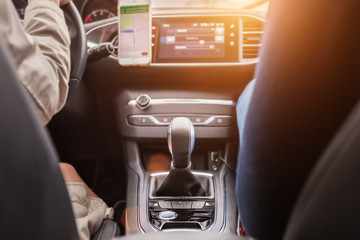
(134,32)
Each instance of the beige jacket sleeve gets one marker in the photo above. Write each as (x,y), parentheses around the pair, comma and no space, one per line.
(41,53)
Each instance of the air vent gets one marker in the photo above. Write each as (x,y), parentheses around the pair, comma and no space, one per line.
(252,31)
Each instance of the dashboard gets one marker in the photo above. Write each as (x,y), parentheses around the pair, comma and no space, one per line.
(178,38)
(220,36)
(196,35)
(93,11)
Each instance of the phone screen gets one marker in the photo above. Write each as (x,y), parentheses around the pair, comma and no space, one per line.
(134,34)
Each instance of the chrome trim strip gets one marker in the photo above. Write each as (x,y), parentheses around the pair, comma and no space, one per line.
(205,64)
(195,172)
(250,32)
(243,63)
(208,15)
(100,26)
(132,103)
(252,45)
(182,230)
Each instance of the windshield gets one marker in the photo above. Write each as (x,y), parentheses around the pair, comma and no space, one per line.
(204,3)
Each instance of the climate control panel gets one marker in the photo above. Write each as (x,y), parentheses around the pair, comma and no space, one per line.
(197,120)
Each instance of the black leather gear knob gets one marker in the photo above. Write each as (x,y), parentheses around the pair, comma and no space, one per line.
(181,140)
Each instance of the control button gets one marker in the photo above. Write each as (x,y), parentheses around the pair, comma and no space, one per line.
(164,119)
(167,215)
(210,204)
(202,214)
(153,204)
(198,204)
(165,204)
(199,119)
(143,101)
(141,121)
(181,204)
(222,121)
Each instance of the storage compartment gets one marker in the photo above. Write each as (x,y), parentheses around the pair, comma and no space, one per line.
(187,212)
(181,225)
(205,179)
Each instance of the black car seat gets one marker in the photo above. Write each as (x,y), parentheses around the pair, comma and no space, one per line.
(307,82)
(328,207)
(34,202)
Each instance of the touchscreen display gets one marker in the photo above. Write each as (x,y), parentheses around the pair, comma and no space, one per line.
(198,40)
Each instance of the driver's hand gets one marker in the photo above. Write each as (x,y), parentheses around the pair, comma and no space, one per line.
(57,2)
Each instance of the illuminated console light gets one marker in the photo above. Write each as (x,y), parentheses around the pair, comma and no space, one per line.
(232,34)
(219,39)
(181,30)
(166,25)
(232,25)
(170,39)
(180,47)
(202,42)
(232,43)
(212,46)
(219,30)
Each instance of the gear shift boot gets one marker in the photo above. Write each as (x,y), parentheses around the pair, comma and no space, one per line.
(181,182)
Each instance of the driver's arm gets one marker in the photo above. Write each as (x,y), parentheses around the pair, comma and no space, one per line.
(41,52)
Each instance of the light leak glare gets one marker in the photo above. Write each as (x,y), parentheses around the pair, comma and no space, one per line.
(202,3)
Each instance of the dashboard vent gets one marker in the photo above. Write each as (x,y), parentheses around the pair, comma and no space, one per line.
(252,31)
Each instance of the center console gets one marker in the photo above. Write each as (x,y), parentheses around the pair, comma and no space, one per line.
(181,198)
(199,137)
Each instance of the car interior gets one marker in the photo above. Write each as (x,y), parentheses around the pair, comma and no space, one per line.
(245,125)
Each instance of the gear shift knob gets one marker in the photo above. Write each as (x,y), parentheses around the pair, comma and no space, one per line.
(181,140)
(181,181)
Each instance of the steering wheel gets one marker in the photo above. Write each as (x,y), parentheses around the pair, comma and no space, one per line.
(78,42)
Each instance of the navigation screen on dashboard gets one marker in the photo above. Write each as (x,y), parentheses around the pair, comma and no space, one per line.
(198,40)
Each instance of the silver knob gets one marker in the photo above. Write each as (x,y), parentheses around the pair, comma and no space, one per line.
(143,101)
(181,140)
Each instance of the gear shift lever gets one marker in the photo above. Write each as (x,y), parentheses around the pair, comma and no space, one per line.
(181,140)
(181,181)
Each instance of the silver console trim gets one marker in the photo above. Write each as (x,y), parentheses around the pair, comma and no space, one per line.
(158,123)
(195,172)
(132,103)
